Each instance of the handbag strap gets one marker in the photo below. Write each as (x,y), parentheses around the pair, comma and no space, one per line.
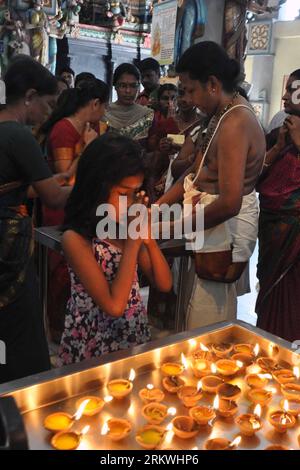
(214,134)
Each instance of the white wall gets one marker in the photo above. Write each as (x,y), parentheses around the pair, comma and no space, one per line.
(268,71)
(287,59)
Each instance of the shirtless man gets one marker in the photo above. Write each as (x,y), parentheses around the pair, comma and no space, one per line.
(232,166)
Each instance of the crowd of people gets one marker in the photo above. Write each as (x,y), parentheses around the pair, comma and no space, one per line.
(65,149)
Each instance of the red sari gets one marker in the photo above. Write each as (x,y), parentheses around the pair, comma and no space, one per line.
(278,302)
(64,141)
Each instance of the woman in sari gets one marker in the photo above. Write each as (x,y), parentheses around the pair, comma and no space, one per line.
(125,116)
(278,302)
(72,126)
(30,91)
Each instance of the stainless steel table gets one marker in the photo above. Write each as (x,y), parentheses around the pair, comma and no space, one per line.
(50,238)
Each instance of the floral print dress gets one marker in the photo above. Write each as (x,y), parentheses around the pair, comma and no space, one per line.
(89,331)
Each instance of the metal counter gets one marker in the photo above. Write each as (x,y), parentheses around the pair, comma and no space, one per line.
(50,238)
(59,389)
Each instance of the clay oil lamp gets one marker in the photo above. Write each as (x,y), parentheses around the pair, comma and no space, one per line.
(222,350)
(291,391)
(243,349)
(225,408)
(58,422)
(273,349)
(150,436)
(202,353)
(282,420)
(210,383)
(93,406)
(68,440)
(227,367)
(293,406)
(116,429)
(172,383)
(276,447)
(202,414)
(154,413)
(172,369)
(61,421)
(220,443)
(267,364)
(258,380)
(283,376)
(228,391)
(245,359)
(151,394)
(190,395)
(250,423)
(185,427)
(201,367)
(259,396)
(121,388)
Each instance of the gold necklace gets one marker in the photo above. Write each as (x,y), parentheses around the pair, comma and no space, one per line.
(214,122)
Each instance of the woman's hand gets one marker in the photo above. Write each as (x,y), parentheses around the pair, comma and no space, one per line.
(167,146)
(292,123)
(281,140)
(143,199)
(89,134)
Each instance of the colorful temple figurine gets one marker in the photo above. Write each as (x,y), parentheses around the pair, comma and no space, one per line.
(38,26)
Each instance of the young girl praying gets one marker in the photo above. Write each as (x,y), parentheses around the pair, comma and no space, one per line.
(105,312)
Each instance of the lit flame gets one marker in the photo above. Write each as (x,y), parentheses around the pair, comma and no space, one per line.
(150,386)
(255,423)
(216,402)
(81,409)
(236,442)
(203,347)
(104,429)
(240,364)
(199,386)
(296,372)
(286,406)
(172,411)
(132,375)
(265,376)
(184,361)
(213,368)
(193,343)
(85,430)
(271,389)
(257,410)
(131,410)
(170,433)
(272,349)
(256,349)
(108,398)
(283,420)
(255,369)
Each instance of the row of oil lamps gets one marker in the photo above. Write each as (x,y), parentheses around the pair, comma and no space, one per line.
(213,365)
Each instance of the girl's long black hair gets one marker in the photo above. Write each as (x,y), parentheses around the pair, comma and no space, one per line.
(103,164)
(70,101)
